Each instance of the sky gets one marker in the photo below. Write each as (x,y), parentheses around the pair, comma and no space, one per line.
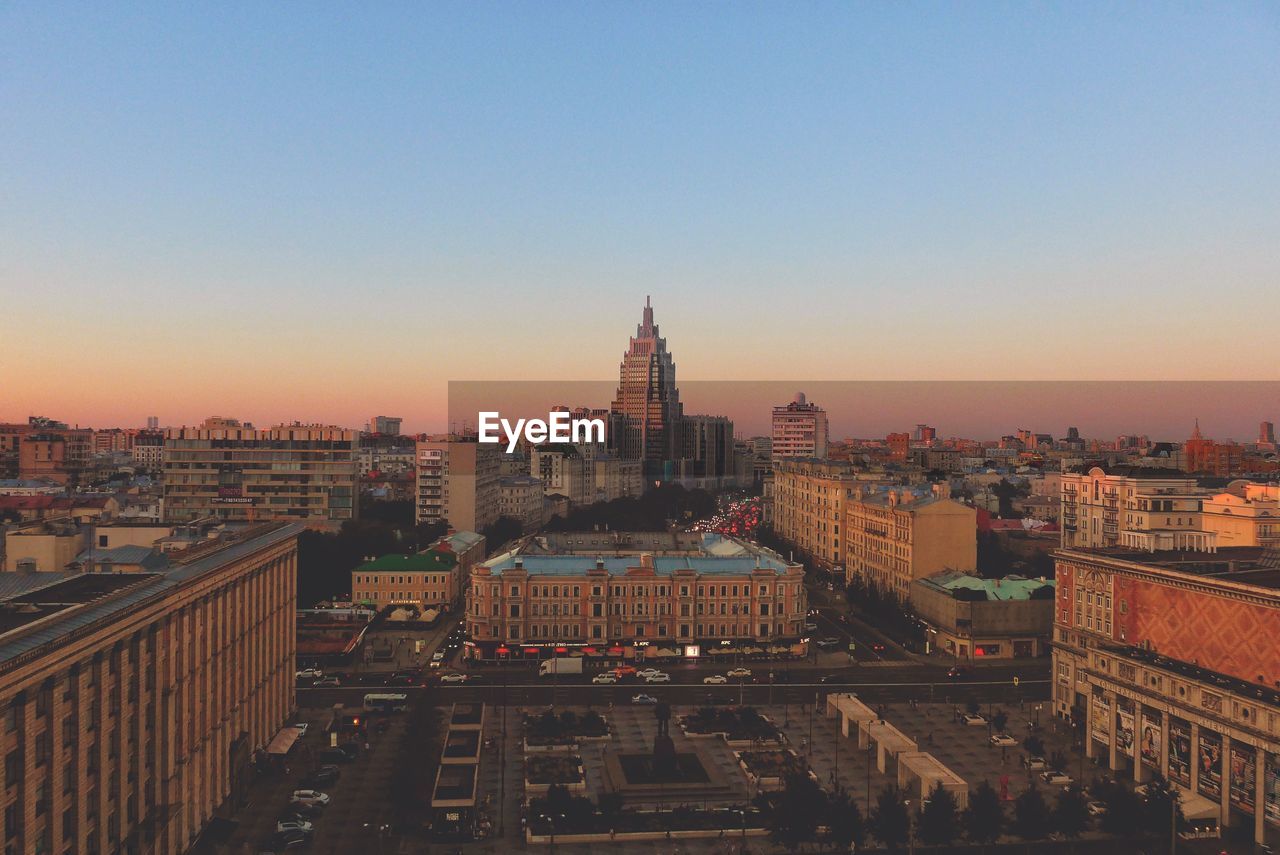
(322,212)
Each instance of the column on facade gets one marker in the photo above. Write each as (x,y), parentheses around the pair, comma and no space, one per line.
(1088,727)
(1224,772)
(1113,734)
(1195,757)
(1139,727)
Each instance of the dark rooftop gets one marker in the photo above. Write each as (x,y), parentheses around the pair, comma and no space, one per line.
(1248,565)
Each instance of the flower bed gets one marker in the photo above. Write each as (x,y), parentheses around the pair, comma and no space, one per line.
(742,725)
(543,770)
(551,732)
(770,768)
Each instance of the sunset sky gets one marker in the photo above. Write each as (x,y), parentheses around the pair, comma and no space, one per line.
(323,212)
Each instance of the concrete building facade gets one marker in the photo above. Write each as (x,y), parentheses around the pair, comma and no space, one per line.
(799,430)
(457,482)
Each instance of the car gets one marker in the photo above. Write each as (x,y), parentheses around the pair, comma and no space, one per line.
(830,678)
(322,777)
(647,672)
(437,656)
(1097,808)
(311,796)
(327,682)
(302,810)
(1003,740)
(715,680)
(878,647)
(828,643)
(282,840)
(1037,764)
(1053,776)
(336,755)
(658,677)
(604,679)
(810,627)
(301,727)
(643,699)
(624,671)
(294,825)
(309,674)
(436,663)
(453,677)
(974,720)
(960,672)
(739,672)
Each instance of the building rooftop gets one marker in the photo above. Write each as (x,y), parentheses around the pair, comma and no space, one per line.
(144,556)
(429,561)
(574,553)
(45,617)
(1008,588)
(1247,565)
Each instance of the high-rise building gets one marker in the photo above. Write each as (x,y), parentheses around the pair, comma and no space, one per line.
(707,446)
(134,703)
(1267,433)
(1171,667)
(925,433)
(521,498)
(389,425)
(458,481)
(646,411)
(1208,456)
(303,473)
(153,422)
(808,505)
(799,430)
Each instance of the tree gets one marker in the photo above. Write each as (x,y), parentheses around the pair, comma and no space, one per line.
(939,821)
(1034,745)
(1071,813)
(1000,721)
(973,707)
(1031,819)
(844,822)
(797,812)
(890,822)
(984,819)
(1123,809)
(1161,809)
(501,531)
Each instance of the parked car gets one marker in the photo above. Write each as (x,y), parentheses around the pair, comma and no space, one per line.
(604,679)
(644,699)
(309,674)
(294,825)
(658,677)
(715,680)
(646,673)
(810,627)
(624,671)
(974,720)
(301,727)
(739,672)
(311,796)
(327,683)
(351,749)
(282,840)
(1037,764)
(1053,776)
(335,755)
(1003,740)
(828,643)
(453,677)
(1097,808)
(323,776)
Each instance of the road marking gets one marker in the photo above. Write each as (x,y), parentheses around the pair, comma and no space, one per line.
(646,686)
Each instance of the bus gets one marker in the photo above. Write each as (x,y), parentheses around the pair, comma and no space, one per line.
(386,703)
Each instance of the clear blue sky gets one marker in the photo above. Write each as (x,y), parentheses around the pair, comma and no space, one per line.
(489,190)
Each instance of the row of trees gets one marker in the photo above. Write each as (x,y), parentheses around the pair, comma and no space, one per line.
(652,511)
(325,560)
(885,610)
(804,814)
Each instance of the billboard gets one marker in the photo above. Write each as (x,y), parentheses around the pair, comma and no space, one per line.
(1101,718)
(1124,733)
(1151,736)
(1244,768)
(1271,784)
(1209,764)
(1179,752)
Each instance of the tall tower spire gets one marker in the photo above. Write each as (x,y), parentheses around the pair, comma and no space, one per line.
(647,329)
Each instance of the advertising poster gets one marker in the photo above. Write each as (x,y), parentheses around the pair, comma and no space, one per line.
(1124,733)
(1271,785)
(1180,752)
(1101,719)
(1243,770)
(1210,764)
(1151,736)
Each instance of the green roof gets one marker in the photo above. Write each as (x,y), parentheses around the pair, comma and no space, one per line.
(1008,588)
(431,561)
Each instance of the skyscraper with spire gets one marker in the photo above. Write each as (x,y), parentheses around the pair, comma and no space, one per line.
(646,411)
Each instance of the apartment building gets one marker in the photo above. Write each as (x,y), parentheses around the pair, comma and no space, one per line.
(433,578)
(799,430)
(895,535)
(808,505)
(521,498)
(1169,664)
(1130,506)
(563,469)
(132,704)
(1245,514)
(680,592)
(222,469)
(148,449)
(457,481)
(617,478)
